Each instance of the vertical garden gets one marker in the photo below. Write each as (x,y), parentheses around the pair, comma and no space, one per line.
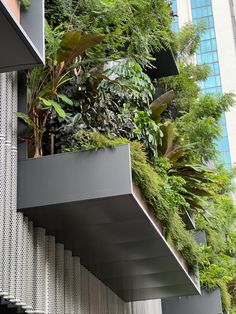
(95,92)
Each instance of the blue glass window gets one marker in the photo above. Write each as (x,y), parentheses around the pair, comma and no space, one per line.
(215,69)
(210,82)
(209,57)
(210,21)
(205,46)
(207,53)
(201,12)
(222,144)
(208,34)
(223,120)
(175,23)
(218,80)
(211,90)
(200,3)
(213,45)
(174,6)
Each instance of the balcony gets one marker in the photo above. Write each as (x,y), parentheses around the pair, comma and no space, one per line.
(22,35)
(88,201)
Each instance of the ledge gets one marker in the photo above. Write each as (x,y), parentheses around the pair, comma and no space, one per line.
(87,200)
(17,52)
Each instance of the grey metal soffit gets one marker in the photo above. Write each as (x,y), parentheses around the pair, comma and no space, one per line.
(88,202)
(207,302)
(17,50)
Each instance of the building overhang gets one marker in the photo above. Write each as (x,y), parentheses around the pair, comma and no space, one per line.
(19,51)
(88,201)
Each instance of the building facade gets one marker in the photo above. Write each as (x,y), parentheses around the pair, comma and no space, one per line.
(217,49)
(41,273)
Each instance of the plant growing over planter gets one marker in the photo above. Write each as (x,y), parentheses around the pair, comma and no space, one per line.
(25,3)
(64,49)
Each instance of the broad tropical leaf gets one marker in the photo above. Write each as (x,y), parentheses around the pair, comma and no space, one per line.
(61,113)
(46,102)
(66,100)
(159,105)
(51,103)
(74,44)
(25,118)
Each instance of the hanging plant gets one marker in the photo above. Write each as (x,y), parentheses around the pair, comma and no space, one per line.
(25,3)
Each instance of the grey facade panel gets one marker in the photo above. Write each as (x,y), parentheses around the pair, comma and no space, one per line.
(188,218)
(32,21)
(164,65)
(207,303)
(73,177)
(200,237)
(87,201)
(17,51)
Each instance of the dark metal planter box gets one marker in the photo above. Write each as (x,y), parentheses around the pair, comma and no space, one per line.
(207,303)
(164,65)
(22,44)
(87,200)
(188,218)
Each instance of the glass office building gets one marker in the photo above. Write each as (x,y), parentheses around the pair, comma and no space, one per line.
(175,24)
(201,10)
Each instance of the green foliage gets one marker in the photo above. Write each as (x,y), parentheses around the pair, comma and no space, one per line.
(113,104)
(85,140)
(132,28)
(25,3)
(63,49)
(25,118)
(159,105)
(113,101)
(200,126)
(129,82)
(187,40)
(56,12)
(216,270)
(148,132)
(159,195)
(185,86)
(216,263)
(192,139)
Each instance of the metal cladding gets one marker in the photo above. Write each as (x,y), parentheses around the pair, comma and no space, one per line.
(88,202)
(21,47)
(164,65)
(207,302)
